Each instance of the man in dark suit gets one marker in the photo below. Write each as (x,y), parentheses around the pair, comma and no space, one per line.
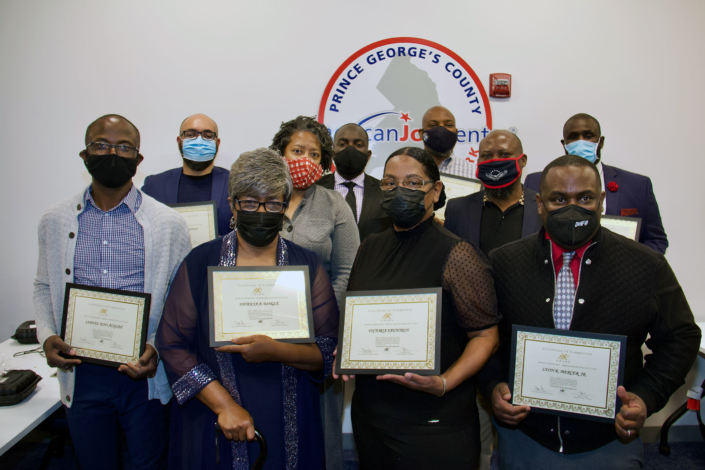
(502,212)
(628,194)
(198,179)
(351,156)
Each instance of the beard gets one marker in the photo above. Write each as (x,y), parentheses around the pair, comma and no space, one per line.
(439,155)
(501,194)
(197,166)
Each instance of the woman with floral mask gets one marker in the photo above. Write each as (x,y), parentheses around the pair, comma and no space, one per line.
(319,219)
(411,421)
(256,381)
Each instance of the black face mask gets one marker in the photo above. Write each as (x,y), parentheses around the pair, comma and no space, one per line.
(440,139)
(405,207)
(259,228)
(571,226)
(110,170)
(350,162)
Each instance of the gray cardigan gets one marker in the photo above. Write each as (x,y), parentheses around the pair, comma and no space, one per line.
(166,244)
(324,224)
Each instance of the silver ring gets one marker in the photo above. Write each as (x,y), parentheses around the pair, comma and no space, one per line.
(629,432)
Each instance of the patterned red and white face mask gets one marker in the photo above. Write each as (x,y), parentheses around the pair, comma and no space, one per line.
(304,172)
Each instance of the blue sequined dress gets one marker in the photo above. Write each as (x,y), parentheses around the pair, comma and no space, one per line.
(283,401)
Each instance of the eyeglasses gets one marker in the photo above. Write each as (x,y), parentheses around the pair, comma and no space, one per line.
(102,148)
(192,134)
(253,206)
(410,182)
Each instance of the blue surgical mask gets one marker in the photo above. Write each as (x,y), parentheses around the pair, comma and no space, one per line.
(198,150)
(583,148)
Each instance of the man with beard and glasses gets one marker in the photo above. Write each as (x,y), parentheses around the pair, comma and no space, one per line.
(575,275)
(351,145)
(199,179)
(439,136)
(628,194)
(110,235)
(502,212)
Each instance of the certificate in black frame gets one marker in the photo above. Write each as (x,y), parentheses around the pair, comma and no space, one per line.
(145,320)
(516,329)
(635,220)
(211,203)
(386,293)
(211,317)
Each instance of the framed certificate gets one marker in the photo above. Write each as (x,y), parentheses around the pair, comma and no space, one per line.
(569,373)
(202,220)
(390,332)
(107,327)
(271,300)
(629,227)
(457,186)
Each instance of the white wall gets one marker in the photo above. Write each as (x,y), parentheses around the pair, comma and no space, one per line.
(635,65)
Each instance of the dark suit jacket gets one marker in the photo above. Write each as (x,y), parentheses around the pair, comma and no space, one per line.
(464,215)
(372,218)
(164,187)
(634,192)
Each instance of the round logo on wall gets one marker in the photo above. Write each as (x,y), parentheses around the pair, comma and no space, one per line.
(386,87)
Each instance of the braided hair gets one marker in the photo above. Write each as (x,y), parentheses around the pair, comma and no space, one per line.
(305,124)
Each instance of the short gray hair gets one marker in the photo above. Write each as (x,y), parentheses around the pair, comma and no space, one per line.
(260,173)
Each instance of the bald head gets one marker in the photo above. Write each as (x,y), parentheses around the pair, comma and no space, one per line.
(501,140)
(437,116)
(114,125)
(200,123)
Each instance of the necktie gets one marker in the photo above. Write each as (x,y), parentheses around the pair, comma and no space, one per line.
(565,294)
(350,198)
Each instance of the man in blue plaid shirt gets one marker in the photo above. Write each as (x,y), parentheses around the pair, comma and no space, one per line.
(110,235)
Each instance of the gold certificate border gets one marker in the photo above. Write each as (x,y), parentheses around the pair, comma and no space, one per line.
(209,212)
(614,346)
(97,354)
(220,276)
(428,364)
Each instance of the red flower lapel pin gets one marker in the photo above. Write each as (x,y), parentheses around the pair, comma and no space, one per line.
(612,186)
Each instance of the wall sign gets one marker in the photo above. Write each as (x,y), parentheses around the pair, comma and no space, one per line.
(387,86)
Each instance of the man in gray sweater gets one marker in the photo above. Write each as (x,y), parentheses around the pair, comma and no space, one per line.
(111,235)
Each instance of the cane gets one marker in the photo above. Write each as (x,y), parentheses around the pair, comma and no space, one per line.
(261,458)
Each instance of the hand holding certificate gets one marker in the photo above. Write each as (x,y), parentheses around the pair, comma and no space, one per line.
(105,326)
(567,372)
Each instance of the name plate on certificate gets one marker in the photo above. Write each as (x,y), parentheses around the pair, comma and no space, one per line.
(273,300)
(202,220)
(105,326)
(457,186)
(390,332)
(567,372)
(629,227)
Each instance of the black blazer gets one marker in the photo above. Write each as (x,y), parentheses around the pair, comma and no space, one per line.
(464,214)
(372,218)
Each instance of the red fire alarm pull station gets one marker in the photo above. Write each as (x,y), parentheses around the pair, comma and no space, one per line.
(500,85)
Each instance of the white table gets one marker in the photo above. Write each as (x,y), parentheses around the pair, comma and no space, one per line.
(18,420)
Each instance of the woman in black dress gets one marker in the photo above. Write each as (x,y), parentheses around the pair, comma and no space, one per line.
(412,421)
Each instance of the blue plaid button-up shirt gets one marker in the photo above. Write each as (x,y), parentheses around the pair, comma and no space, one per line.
(110,245)
(458,166)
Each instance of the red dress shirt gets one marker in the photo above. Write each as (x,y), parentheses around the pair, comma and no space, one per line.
(557,253)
